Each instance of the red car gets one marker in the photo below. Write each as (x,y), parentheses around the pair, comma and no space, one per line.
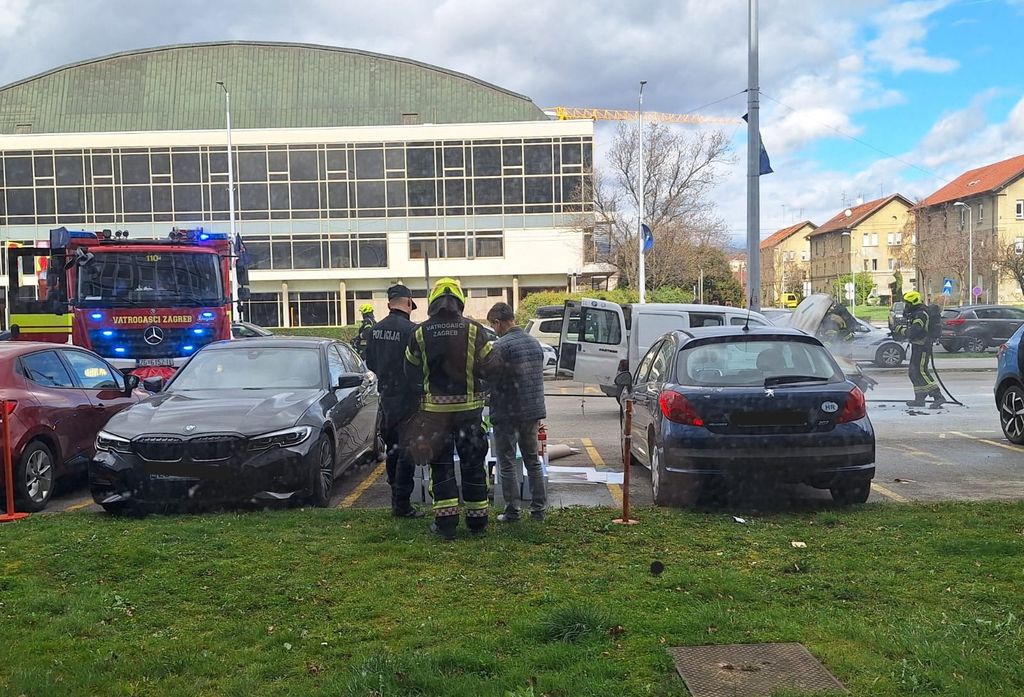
(58,398)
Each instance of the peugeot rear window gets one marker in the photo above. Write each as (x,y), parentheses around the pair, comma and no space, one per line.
(752,363)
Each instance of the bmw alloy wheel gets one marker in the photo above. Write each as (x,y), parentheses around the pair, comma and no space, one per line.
(326,466)
(1011,415)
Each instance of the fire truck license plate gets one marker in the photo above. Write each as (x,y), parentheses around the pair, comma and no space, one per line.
(153,362)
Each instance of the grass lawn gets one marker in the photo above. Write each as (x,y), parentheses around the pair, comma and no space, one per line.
(895,600)
(872,313)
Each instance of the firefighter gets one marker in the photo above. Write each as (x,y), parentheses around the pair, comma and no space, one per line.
(917,330)
(446,356)
(385,355)
(363,332)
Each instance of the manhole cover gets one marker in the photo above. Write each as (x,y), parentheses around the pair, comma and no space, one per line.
(751,670)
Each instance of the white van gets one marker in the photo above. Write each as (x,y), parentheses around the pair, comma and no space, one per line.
(611,338)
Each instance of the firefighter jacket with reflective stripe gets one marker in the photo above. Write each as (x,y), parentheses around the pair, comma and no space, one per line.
(916,330)
(385,355)
(447,355)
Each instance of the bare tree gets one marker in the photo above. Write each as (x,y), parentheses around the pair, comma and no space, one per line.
(680,171)
(1011,263)
(943,250)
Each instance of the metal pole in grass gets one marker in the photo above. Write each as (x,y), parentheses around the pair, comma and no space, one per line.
(627,456)
(9,514)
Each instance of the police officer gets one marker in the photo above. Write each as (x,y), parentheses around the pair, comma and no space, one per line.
(446,356)
(385,355)
(917,330)
(363,332)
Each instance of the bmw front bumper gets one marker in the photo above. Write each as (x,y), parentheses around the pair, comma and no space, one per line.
(276,473)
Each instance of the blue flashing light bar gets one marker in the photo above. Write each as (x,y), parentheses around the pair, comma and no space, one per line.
(206,316)
(107,332)
(119,349)
(189,347)
(96,316)
(198,331)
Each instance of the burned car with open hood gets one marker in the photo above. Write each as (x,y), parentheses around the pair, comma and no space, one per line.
(266,419)
(846,336)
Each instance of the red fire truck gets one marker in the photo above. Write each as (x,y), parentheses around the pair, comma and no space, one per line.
(145,305)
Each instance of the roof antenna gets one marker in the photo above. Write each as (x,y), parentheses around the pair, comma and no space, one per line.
(746,325)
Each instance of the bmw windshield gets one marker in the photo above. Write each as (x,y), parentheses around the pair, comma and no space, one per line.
(131,279)
(250,369)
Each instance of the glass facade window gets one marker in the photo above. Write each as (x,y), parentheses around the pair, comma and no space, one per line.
(301,181)
(457,244)
(264,309)
(314,308)
(330,251)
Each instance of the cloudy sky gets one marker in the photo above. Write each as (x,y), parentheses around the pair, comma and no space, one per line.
(861,97)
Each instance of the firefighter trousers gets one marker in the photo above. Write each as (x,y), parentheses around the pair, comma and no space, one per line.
(433,438)
(920,373)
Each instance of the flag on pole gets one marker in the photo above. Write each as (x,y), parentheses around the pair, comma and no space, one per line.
(765,165)
(648,237)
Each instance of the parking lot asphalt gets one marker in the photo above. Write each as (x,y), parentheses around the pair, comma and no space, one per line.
(956,453)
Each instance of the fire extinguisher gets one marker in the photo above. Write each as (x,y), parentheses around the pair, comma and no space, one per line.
(542,442)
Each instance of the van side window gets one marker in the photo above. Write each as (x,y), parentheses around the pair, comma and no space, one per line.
(599,326)
(706,319)
(741,320)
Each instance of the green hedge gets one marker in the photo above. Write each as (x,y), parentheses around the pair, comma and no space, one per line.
(344,333)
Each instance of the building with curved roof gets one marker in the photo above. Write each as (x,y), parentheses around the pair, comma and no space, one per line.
(349,169)
(275,85)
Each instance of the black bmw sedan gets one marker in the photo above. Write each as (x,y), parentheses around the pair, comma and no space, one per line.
(263,419)
(762,403)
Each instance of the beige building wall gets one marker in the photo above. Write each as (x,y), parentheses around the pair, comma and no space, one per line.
(786,266)
(878,245)
(944,231)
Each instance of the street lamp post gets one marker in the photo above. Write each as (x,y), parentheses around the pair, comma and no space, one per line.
(970,250)
(853,272)
(641,267)
(231,188)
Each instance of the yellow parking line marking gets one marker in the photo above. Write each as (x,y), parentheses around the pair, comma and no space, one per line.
(79,505)
(615,490)
(1005,446)
(595,456)
(889,494)
(362,487)
(918,453)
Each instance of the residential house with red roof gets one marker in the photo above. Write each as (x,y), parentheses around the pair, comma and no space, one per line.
(869,237)
(785,262)
(981,211)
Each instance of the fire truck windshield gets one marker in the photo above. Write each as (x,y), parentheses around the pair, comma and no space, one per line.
(149,279)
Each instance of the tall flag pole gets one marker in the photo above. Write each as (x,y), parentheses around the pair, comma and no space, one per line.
(753,168)
(640,241)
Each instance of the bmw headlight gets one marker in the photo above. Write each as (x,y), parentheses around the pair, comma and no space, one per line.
(280,439)
(110,442)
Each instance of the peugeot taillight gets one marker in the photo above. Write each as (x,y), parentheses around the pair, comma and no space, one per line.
(678,409)
(855,407)
(953,322)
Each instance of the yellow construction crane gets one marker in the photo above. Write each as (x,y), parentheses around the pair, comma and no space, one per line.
(563,113)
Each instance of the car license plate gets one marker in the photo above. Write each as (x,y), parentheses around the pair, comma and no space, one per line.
(154,362)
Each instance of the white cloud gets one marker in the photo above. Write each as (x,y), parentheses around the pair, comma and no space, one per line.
(12,17)
(902,30)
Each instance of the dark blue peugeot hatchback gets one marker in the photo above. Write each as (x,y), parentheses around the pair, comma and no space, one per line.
(767,403)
